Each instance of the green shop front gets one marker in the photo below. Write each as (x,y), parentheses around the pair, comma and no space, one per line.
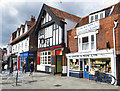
(26,58)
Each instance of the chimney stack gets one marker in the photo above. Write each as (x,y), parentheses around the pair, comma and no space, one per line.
(32,18)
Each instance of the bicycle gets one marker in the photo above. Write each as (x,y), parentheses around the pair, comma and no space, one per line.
(103,77)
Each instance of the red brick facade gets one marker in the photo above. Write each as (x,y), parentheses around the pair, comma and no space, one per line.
(72,42)
(105,31)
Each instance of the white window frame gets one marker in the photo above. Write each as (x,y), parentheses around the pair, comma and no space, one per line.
(89,40)
(102,12)
(43,56)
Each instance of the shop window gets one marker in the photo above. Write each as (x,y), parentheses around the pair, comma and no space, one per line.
(102,65)
(22,61)
(85,43)
(45,57)
(74,64)
(81,65)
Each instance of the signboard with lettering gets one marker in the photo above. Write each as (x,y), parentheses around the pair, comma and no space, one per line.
(88,27)
(27,54)
(58,52)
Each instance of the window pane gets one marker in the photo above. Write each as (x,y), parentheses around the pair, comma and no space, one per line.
(92,37)
(96,17)
(85,46)
(85,40)
(92,45)
(45,53)
(49,53)
(101,15)
(92,18)
(74,64)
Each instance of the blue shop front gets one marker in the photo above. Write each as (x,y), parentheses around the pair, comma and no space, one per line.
(26,57)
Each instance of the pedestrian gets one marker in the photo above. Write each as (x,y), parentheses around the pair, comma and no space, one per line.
(31,68)
(15,67)
(24,68)
(6,67)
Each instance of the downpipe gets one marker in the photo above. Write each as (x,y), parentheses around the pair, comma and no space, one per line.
(114,41)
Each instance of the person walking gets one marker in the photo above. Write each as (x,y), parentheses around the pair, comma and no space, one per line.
(15,67)
(31,68)
(24,68)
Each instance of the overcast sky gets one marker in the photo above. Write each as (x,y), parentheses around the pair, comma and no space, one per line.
(13,13)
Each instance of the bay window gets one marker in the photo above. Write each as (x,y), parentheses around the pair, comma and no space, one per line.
(87,43)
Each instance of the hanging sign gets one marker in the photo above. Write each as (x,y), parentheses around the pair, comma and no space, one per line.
(58,52)
(88,27)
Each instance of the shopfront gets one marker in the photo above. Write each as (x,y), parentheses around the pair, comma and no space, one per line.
(26,58)
(84,65)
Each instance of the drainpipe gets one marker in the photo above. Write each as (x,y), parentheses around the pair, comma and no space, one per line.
(115,23)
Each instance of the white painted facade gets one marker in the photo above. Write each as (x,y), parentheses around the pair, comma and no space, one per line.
(21,46)
(53,36)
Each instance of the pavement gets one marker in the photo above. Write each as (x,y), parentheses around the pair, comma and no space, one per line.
(49,81)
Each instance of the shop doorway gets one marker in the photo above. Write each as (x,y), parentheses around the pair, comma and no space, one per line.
(86,69)
(58,64)
(81,68)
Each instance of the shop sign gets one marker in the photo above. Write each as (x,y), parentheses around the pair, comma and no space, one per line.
(27,54)
(31,54)
(58,52)
(86,28)
(79,56)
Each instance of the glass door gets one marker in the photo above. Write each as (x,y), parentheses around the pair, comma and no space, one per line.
(86,68)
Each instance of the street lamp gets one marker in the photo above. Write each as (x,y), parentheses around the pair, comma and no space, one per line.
(115,23)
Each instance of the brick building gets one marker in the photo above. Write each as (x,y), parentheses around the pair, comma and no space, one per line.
(52,26)
(24,44)
(91,44)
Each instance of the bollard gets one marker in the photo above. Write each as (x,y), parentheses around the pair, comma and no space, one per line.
(16,77)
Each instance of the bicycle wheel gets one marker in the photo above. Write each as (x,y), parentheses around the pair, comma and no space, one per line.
(110,79)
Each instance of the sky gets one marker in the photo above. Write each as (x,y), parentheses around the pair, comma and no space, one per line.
(13,13)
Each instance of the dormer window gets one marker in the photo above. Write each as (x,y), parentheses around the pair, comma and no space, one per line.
(18,33)
(23,30)
(96,16)
(101,15)
(46,18)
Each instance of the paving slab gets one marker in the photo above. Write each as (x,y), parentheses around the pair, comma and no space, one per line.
(48,81)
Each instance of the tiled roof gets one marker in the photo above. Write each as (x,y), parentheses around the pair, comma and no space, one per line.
(29,23)
(63,15)
(117,4)
(24,33)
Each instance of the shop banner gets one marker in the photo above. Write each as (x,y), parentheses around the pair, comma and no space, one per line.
(88,27)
